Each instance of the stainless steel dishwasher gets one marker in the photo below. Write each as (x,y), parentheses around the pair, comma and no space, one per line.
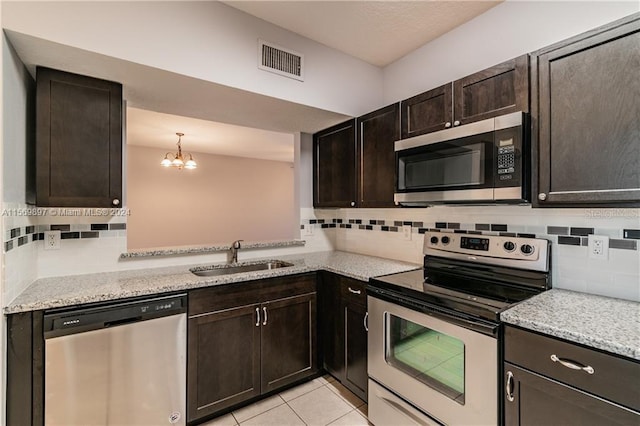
(117,364)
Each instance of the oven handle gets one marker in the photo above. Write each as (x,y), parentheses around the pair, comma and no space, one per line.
(481,327)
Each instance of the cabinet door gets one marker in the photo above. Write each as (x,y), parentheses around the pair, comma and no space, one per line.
(356,349)
(332,324)
(501,89)
(586,114)
(531,399)
(334,166)
(78,141)
(377,133)
(427,112)
(223,360)
(288,340)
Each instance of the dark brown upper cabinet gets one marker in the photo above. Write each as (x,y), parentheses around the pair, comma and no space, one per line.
(501,89)
(377,133)
(586,131)
(334,166)
(427,112)
(78,140)
(354,162)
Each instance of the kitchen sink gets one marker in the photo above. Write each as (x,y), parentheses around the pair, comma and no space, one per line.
(214,270)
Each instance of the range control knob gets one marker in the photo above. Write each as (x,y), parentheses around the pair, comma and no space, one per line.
(434,240)
(509,246)
(526,249)
(445,240)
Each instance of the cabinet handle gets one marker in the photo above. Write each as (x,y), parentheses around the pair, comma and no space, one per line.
(542,196)
(572,364)
(509,386)
(447,124)
(354,291)
(264,309)
(257,317)
(456,123)
(366,321)
(115,202)
(353,203)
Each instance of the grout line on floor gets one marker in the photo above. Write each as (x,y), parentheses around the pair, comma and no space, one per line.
(249,418)
(295,412)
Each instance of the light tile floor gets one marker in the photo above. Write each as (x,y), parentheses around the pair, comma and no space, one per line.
(320,402)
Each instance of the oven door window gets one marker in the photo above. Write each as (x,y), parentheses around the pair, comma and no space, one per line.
(460,164)
(429,356)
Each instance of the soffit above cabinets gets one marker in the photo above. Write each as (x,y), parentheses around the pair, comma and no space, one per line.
(378,32)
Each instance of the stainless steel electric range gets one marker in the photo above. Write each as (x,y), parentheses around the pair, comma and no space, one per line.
(434,333)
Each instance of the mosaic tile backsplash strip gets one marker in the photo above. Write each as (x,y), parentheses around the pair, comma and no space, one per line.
(563,235)
(19,236)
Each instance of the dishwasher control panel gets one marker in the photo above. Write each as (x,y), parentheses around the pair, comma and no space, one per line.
(62,322)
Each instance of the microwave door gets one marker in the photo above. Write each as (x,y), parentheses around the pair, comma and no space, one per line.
(449,170)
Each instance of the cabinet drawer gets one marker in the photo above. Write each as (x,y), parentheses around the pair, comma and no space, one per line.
(249,292)
(613,378)
(353,291)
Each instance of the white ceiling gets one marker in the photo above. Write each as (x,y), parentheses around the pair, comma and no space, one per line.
(157,130)
(378,32)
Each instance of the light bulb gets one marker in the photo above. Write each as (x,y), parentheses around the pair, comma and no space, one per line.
(166,162)
(190,164)
(177,162)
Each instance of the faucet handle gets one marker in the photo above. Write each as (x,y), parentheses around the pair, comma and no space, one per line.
(236,244)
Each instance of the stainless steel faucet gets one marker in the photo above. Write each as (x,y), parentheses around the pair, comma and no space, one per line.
(232,256)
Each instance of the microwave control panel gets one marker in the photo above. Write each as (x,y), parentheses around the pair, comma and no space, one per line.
(507,158)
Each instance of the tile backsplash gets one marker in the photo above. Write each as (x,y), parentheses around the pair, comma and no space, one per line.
(21,235)
(378,232)
(94,244)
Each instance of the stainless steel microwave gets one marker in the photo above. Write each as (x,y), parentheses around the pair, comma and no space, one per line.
(483,162)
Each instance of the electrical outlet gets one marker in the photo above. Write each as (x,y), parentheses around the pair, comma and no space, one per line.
(308,229)
(406,232)
(52,240)
(598,247)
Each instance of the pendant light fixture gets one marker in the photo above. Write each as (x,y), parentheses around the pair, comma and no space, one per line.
(177,160)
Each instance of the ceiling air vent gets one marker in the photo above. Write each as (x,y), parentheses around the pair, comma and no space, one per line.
(281,61)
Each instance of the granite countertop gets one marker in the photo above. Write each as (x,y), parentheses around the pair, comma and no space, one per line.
(612,325)
(46,293)
(176,251)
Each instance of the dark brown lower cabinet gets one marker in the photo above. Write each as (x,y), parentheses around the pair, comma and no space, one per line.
(25,369)
(287,341)
(224,360)
(355,372)
(550,381)
(249,339)
(344,333)
(332,324)
(538,400)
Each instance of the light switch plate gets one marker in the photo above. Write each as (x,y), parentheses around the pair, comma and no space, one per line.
(308,229)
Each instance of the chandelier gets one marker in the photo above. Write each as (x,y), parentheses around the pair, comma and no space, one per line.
(177,160)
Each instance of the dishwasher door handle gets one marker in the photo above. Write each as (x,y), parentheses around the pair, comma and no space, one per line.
(122,321)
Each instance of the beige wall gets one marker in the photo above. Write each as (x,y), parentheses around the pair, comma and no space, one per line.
(224,199)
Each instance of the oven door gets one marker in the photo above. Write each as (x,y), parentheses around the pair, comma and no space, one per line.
(447,371)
